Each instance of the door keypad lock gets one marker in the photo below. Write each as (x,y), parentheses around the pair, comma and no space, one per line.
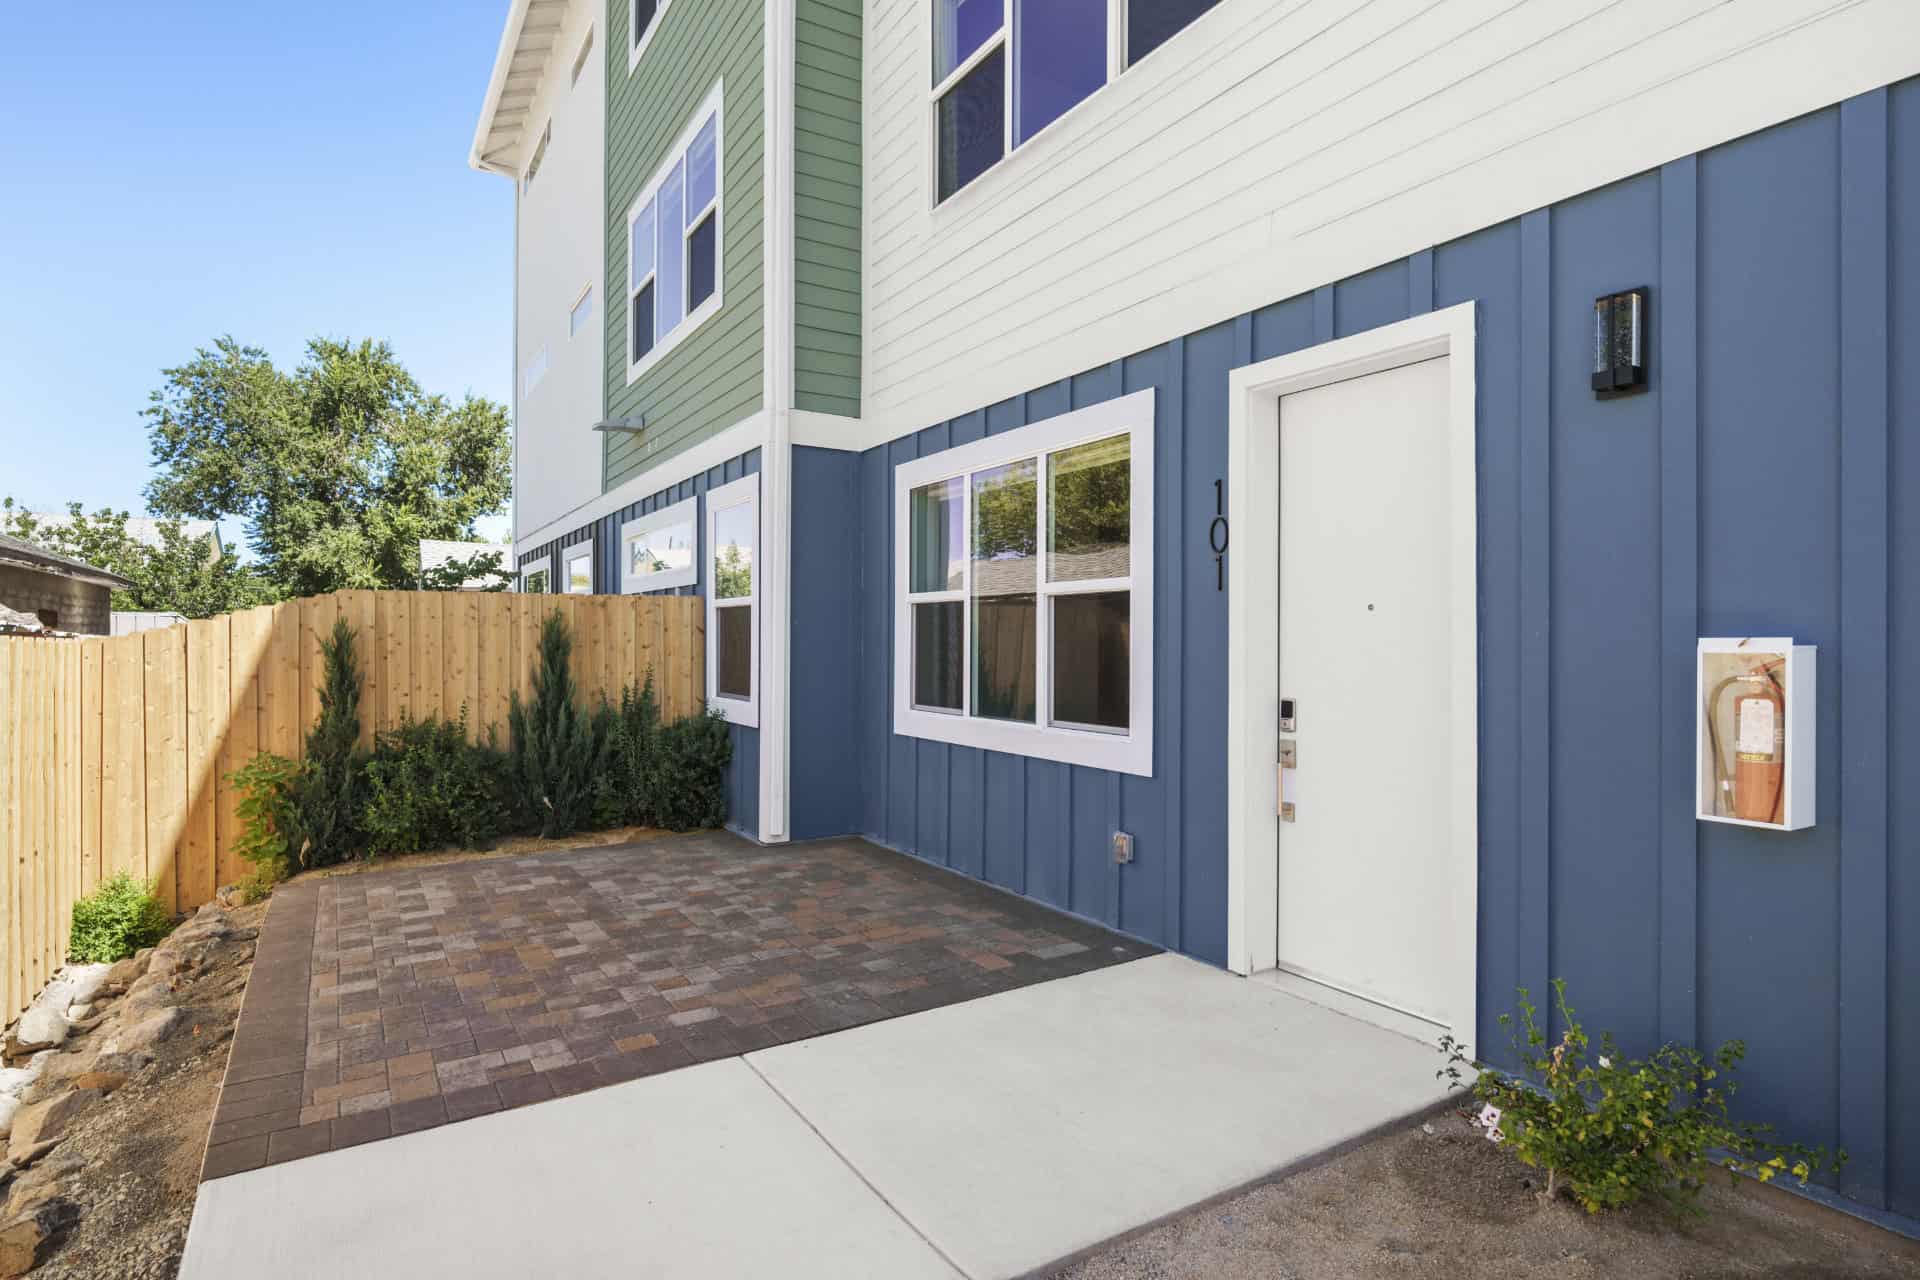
(1289,758)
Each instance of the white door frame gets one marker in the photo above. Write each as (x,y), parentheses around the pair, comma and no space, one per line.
(1253,613)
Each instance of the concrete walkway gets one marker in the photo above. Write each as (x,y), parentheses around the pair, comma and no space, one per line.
(984,1139)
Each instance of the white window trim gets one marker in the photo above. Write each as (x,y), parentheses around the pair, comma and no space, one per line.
(543,565)
(1117,66)
(579,298)
(685,512)
(741,711)
(570,556)
(1129,752)
(713,106)
(636,49)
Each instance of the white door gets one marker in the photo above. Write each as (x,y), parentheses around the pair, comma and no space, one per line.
(1365,607)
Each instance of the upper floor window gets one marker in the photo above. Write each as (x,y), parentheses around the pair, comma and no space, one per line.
(644,19)
(1003,70)
(581,312)
(674,251)
(539,154)
(1024,594)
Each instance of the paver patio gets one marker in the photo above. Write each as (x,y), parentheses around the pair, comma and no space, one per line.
(390,1002)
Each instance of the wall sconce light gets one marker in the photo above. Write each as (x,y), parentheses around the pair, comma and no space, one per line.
(634,424)
(1620,343)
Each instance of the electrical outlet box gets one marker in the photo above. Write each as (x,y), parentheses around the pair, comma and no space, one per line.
(1754,707)
(1122,847)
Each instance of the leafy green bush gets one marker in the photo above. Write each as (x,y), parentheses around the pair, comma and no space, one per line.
(331,792)
(620,798)
(686,773)
(1615,1130)
(558,750)
(428,786)
(269,821)
(116,920)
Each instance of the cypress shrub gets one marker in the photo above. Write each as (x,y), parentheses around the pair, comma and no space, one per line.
(557,750)
(332,784)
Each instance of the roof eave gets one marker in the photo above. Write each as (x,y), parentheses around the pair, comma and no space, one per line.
(496,85)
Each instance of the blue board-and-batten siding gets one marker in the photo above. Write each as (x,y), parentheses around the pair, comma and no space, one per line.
(1755,488)
(743,780)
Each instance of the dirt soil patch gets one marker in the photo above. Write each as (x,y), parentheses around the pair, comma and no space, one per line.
(122,1176)
(1448,1204)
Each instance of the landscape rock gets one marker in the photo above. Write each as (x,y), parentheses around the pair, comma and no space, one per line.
(47,1122)
(125,973)
(141,1033)
(78,1012)
(49,1068)
(127,1064)
(27,1155)
(149,991)
(27,1241)
(104,1081)
(40,1027)
(7,1108)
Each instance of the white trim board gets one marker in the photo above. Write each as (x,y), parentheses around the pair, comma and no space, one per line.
(1253,581)
(742,437)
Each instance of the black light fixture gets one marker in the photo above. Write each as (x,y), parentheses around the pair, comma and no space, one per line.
(1620,343)
(633,424)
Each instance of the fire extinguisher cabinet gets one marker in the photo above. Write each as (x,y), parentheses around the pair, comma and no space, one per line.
(1754,707)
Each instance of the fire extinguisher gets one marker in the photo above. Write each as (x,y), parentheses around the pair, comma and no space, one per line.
(1752,789)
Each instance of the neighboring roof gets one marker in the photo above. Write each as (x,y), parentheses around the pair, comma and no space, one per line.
(526,45)
(144,530)
(434,554)
(13,622)
(14,551)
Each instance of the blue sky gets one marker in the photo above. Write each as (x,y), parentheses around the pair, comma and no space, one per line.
(172,173)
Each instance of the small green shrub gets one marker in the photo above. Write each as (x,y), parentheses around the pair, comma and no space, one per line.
(333,783)
(116,920)
(267,807)
(558,751)
(621,798)
(1615,1130)
(429,786)
(686,773)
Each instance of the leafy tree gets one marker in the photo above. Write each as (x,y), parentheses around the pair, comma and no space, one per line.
(339,468)
(182,575)
(453,575)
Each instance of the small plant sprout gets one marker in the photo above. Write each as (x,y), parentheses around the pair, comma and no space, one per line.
(1614,1130)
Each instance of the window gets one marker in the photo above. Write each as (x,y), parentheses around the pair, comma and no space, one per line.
(1024,603)
(673,244)
(1003,70)
(581,313)
(733,594)
(576,579)
(657,550)
(539,154)
(580,58)
(534,370)
(533,580)
(644,19)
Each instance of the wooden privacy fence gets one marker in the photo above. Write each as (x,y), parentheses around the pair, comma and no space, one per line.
(116,749)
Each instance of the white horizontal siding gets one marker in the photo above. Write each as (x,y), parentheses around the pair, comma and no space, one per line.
(1277,145)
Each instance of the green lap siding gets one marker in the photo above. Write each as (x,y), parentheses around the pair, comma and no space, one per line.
(826,207)
(712,379)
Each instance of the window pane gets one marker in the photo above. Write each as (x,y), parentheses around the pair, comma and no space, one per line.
(700,262)
(1091,642)
(973,124)
(1003,666)
(934,511)
(960,27)
(643,11)
(937,654)
(1005,531)
(1151,23)
(733,552)
(535,583)
(1060,56)
(581,313)
(640,259)
(643,321)
(671,266)
(733,665)
(700,168)
(580,576)
(1089,520)
(660,551)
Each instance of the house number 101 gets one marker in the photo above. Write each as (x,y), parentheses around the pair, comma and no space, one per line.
(1217,537)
